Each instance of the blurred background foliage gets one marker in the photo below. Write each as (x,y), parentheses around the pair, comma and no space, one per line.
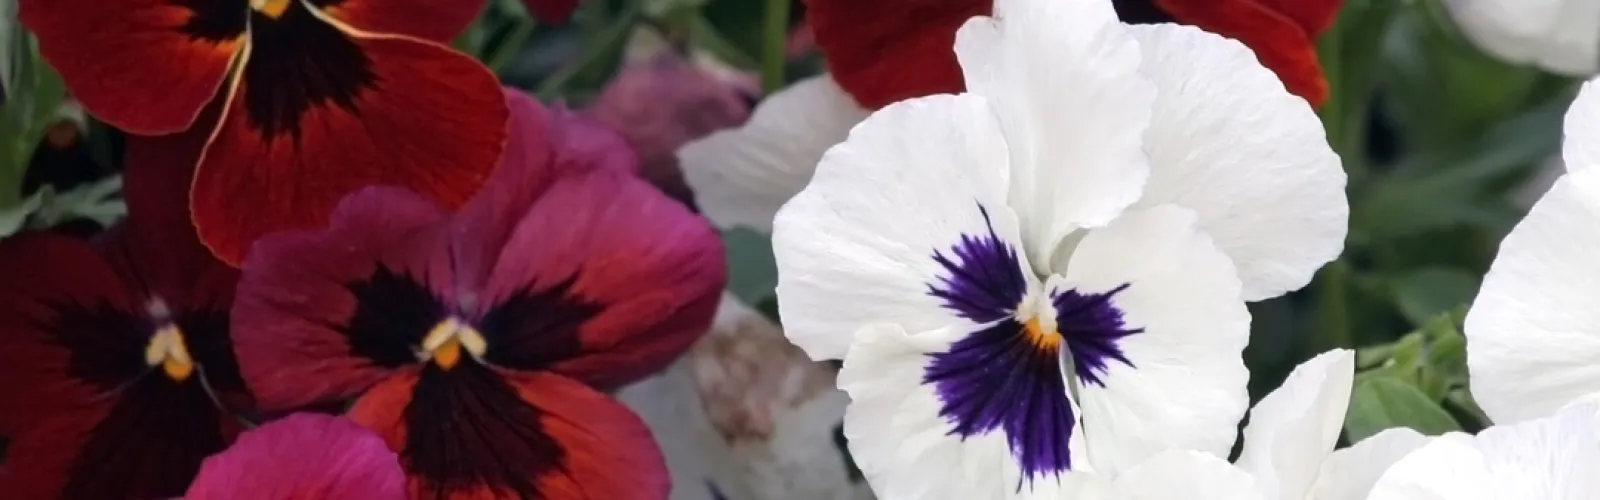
(1444,146)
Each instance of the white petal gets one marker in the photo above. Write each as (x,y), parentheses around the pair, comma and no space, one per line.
(1186,388)
(1553,458)
(1582,146)
(899,440)
(1064,78)
(1189,475)
(1251,159)
(1349,474)
(1558,35)
(1293,429)
(856,246)
(695,453)
(740,177)
(1533,333)
(775,407)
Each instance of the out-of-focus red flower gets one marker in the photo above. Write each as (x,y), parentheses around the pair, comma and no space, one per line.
(663,104)
(313,98)
(303,456)
(883,51)
(117,375)
(479,343)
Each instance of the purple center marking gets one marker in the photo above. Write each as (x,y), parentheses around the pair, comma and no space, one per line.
(997,377)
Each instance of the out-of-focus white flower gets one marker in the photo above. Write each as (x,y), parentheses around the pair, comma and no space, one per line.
(1561,36)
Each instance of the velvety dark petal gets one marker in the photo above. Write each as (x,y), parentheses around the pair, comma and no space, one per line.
(1277,37)
(427,19)
(1092,327)
(473,432)
(322,315)
(552,11)
(319,113)
(605,280)
(884,51)
(1141,12)
(145,66)
(147,442)
(69,332)
(303,456)
(1000,377)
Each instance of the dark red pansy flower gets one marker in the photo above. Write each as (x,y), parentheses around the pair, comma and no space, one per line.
(304,456)
(554,11)
(478,344)
(883,51)
(117,376)
(319,98)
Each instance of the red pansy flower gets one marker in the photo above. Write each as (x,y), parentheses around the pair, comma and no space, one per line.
(303,456)
(478,344)
(319,98)
(117,376)
(883,51)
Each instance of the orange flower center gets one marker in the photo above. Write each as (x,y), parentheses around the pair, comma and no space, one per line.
(445,341)
(270,8)
(1043,338)
(167,349)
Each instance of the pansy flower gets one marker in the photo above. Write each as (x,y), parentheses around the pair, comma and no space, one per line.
(884,51)
(117,375)
(1533,335)
(1561,36)
(304,455)
(1014,293)
(477,345)
(1548,458)
(318,98)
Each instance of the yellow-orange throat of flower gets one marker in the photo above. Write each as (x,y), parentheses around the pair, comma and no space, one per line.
(1043,338)
(167,349)
(445,341)
(271,8)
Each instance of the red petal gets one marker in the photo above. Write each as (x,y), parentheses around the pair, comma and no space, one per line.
(38,461)
(427,19)
(882,52)
(646,270)
(303,456)
(145,66)
(602,449)
(39,274)
(157,246)
(435,124)
(552,11)
(1277,40)
(294,303)
(1313,16)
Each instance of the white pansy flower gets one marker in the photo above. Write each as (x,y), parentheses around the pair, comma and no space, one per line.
(1533,333)
(1289,442)
(1550,458)
(1038,277)
(1225,141)
(1561,36)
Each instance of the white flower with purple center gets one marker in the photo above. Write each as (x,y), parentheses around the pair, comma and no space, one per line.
(1047,274)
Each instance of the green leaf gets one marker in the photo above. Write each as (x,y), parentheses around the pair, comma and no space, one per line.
(1423,294)
(14,218)
(752,271)
(660,8)
(1380,403)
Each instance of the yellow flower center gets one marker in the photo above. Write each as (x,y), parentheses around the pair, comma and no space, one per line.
(270,8)
(167,349)
(1043,338)
(446,340)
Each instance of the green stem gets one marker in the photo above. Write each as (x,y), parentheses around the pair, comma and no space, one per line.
(774,43)
(1333,315)
(511,46)
(609,40)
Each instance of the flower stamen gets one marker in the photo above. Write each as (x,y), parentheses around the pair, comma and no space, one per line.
(270,8)
(445,341)
(166,348)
